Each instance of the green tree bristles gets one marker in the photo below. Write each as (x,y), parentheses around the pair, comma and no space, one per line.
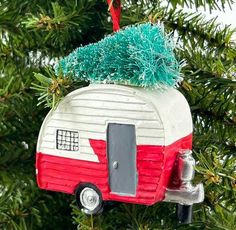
(140,55)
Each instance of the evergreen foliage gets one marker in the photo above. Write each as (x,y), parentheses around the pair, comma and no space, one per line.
(36,33)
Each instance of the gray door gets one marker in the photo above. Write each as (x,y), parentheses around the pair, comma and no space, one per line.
(121,146)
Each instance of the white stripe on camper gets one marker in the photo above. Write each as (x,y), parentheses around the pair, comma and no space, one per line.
(92,96)
(86,115)
(73,155)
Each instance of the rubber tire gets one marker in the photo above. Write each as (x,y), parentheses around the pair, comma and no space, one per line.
(184,213)
(98,209)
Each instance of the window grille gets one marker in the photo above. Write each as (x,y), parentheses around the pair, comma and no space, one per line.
(67,140)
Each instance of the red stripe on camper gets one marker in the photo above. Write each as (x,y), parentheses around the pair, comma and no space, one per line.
(154,165)
(64,174)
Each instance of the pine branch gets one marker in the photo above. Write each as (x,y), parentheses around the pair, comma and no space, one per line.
(60,25)
(211,5)
(208,60)
(206,4)
(24,206)
(194,28)
(209,130)
(19,120)
(217,168)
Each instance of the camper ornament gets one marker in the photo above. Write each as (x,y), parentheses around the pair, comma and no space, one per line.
(118,141)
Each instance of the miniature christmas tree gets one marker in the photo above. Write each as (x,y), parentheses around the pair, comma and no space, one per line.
(140,55)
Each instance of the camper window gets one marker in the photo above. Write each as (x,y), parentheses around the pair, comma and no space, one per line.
(67,140)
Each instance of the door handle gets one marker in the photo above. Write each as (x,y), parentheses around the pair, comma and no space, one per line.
(115,165)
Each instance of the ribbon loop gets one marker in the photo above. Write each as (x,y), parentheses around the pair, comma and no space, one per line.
(115,10)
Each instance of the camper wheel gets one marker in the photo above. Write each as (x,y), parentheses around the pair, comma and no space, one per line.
(89,199)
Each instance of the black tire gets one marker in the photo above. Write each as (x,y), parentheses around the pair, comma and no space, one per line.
(82,200)
(184,213)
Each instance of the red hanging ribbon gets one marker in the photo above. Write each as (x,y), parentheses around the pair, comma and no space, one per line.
(115,10)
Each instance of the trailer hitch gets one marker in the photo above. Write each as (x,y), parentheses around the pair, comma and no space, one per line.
(187,194)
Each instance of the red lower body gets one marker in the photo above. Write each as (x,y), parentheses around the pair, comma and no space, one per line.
(155,164)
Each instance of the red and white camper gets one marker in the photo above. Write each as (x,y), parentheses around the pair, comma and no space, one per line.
(119,143)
